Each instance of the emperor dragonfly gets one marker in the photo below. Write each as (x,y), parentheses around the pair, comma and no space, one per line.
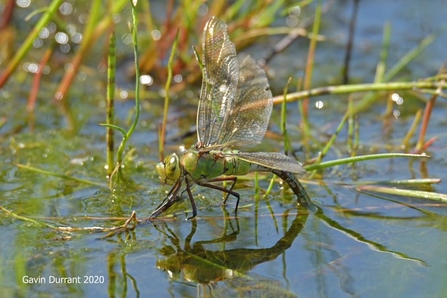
(234,110)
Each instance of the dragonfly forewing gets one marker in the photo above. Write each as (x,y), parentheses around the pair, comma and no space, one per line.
(235,101)
(219,83)
(249,117)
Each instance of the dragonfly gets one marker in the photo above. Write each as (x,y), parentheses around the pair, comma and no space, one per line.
(233,113)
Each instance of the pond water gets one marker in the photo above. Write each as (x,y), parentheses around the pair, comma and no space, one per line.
(359,243)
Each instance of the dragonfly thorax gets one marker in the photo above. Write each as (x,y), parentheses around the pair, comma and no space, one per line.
(170,169)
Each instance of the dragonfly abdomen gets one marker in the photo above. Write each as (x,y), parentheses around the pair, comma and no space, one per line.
(298,189)
(235,166)
(211,164)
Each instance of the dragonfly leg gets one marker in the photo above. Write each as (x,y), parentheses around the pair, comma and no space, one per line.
(170,199)
(191,199)
(228,191)
(221,188)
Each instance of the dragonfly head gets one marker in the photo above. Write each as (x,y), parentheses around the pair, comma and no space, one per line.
(170,169)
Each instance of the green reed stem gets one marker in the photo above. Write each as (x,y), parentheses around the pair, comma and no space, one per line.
(270,187)
(256,187)
(401,182)
(128,134)
(343,89)
(137,81)
(412,130)
(369,98)
(287,145)
(351,124)
(304,106)
(342,161)
(333,138)
(381,66)
(410,56)
(161,146)
(111,71)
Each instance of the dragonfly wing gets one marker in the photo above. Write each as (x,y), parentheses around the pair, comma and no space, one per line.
(247,121)
(219,82)
(272,160)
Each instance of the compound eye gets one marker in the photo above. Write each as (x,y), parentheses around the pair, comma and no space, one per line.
(172,169)
(161,170)
(171,163)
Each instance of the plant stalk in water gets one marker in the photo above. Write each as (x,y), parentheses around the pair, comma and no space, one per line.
(162,134)
(111,71)
(128,134)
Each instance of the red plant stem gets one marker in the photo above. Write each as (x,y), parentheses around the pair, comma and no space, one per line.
(425,120)
(37,78)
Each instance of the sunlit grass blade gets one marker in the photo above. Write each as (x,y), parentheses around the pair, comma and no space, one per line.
(407,182)
(304,105)
(381,66)
(368,99)
(199,61)
(331,140)
(353,140)
(167,99)
(287,145)
(130,223)
(404,192)
(410,56)
(348,160)
(35,222)
(412,130)
(384,84)
(270,187)
(118,128)
(424,85)
(62,176)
